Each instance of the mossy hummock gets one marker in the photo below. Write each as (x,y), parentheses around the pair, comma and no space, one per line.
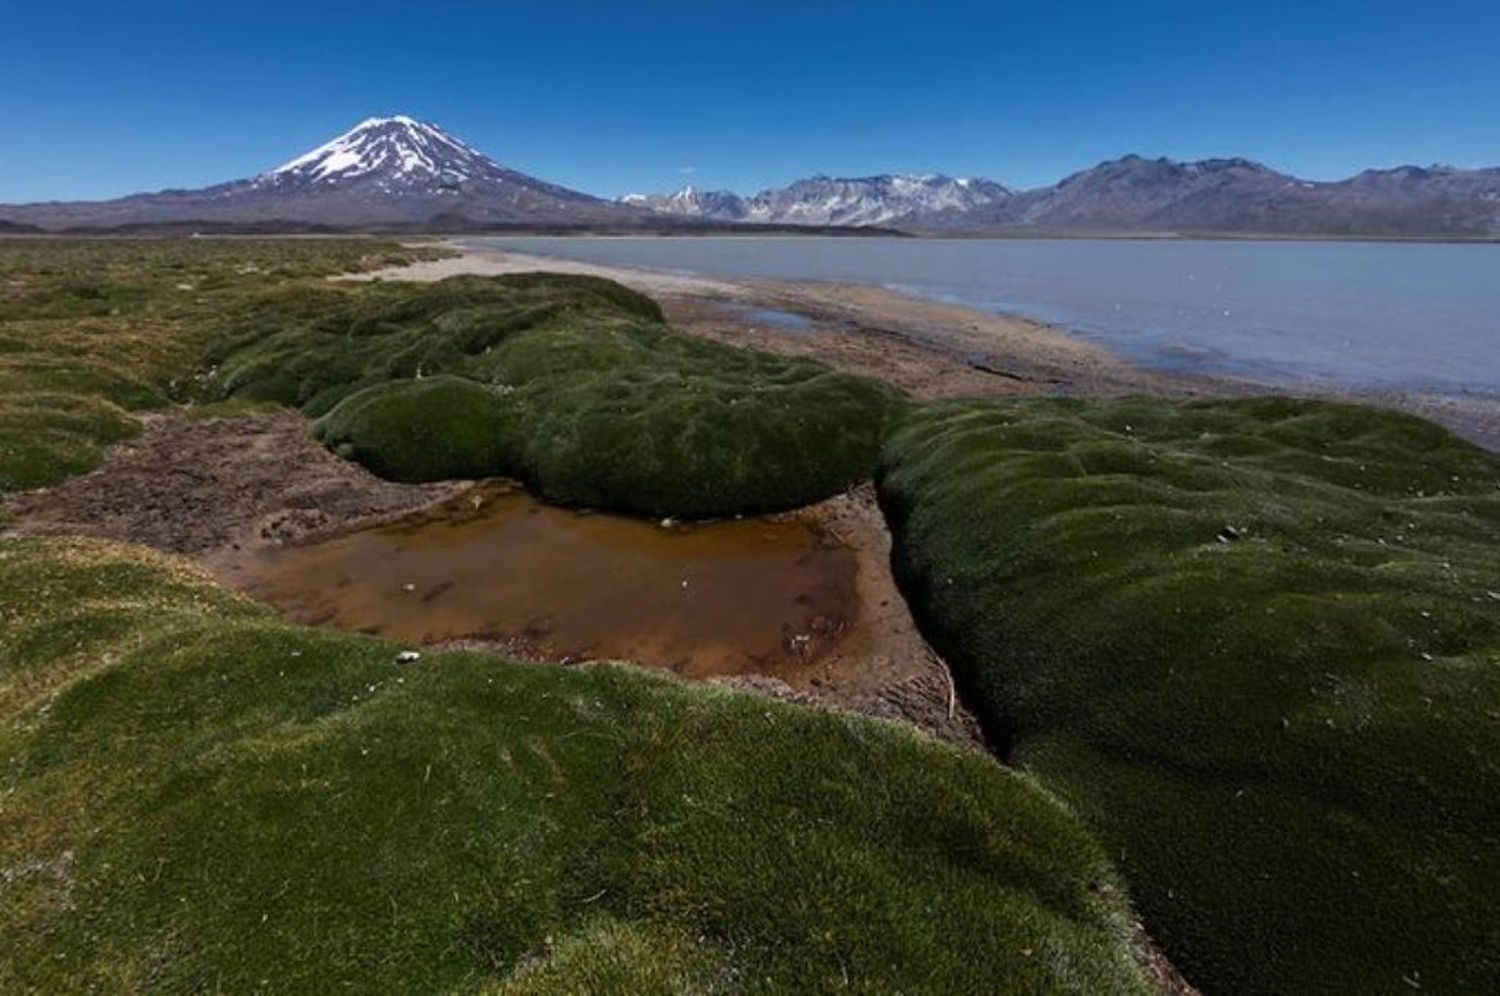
(591,400)
(200,795)
(1257,643)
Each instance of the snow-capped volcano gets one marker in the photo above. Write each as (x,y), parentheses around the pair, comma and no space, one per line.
(383,171)
(399,149)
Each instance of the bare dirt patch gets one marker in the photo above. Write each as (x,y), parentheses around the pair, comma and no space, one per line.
(202,485)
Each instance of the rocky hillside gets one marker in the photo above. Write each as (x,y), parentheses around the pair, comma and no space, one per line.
(1242,196)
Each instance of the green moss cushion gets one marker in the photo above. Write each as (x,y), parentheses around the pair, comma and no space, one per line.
(602,403)
(311,346)
(1258,643)
(199,796)
(421,430)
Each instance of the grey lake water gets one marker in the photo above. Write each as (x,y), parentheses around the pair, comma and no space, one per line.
(1364,314)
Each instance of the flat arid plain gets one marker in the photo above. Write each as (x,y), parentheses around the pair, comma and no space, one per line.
(410,616)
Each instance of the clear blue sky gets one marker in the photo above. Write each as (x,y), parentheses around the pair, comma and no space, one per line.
(105,98)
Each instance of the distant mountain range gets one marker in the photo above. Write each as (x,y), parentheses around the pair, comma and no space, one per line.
(822,200)
(398,172)
(1129,195)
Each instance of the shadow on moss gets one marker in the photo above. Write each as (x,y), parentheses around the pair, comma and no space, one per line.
(1257,642)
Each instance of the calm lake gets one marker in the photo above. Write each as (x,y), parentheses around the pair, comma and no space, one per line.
(1360,313)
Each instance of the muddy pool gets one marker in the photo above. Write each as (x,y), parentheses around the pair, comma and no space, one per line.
(762,596)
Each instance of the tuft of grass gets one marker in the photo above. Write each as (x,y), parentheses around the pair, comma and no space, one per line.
(595,401)
(198,795)
(1257,644)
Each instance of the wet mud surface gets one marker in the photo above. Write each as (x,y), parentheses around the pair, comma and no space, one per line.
(495,565)
(198,485)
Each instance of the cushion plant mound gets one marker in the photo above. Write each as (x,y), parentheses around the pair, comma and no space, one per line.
(1257,642)
(432,429)
(642,418)
(198,795)
(311,346)
(597,402)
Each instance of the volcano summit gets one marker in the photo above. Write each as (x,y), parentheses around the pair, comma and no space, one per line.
(383,171)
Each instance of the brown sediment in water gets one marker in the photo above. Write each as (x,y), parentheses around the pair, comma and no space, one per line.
(494,565)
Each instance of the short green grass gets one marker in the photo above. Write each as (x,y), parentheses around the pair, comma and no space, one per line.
(197,796)
(1257,644)
(591,399)
(93,332)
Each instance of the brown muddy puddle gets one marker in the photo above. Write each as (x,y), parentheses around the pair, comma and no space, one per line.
(730,597)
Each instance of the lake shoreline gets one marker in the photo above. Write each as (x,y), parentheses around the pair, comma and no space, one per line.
(933,348)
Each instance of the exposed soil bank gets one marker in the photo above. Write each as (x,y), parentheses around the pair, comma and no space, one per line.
(200,486)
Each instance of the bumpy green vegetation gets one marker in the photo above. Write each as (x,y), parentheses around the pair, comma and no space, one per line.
(592,400)
(436,428)
(195,795)
(1257,643)
(92,332)
(198,796)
